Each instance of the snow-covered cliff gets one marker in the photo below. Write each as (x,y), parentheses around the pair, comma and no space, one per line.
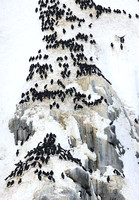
(71,136)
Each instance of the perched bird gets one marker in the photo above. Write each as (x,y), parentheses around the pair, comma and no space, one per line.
(20,180)
(121,46)
(17,152)
(64,31)
(136,121)
(62,175)
(72,27)
(108,179)
(112,45)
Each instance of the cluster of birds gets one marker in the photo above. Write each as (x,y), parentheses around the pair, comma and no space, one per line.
(117,172)
(122,40)
(50,13)
(42,70)
(83,36)
(100,9)
(48,9)
(38,157)
(78,99)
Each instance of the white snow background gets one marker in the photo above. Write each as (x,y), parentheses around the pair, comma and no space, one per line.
(21,37)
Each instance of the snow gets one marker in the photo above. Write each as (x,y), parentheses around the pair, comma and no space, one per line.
(131,169)
(20,37)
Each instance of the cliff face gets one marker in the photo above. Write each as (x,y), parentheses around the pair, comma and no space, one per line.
(70,122)
(89,134)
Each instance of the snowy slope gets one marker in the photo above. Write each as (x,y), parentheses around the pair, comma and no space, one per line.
(20,37)
(120,67)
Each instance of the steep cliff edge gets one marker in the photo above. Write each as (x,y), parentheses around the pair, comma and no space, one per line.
(70,123)
(89,134)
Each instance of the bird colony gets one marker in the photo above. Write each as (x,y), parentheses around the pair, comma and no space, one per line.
(65,122)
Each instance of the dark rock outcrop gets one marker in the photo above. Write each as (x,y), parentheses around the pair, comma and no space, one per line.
(82,178)
(21,129)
